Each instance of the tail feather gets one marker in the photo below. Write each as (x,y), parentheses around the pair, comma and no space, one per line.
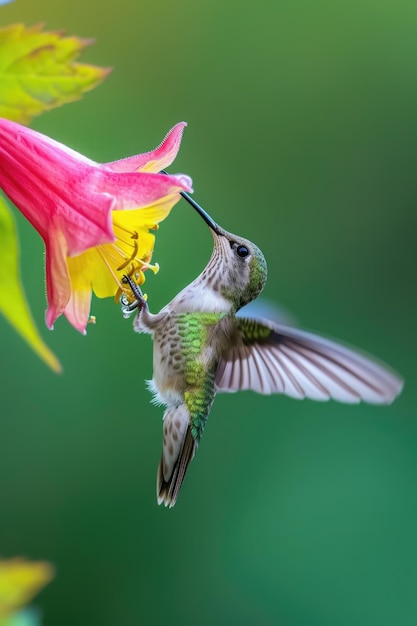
(168,490)
(179,447)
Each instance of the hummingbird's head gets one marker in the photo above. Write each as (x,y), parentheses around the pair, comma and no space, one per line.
(237,268)
(242,267)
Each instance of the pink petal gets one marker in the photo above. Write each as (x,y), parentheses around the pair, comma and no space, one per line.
(78,308)
(132,190)
(47,180)
(155,160)
(58,284)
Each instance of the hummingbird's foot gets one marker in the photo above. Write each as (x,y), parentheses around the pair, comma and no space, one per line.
(140,301)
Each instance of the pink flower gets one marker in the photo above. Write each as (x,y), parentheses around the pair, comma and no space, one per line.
(94,218)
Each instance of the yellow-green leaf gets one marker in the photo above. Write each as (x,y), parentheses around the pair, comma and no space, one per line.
(20,580)
(38,71)
(12,300)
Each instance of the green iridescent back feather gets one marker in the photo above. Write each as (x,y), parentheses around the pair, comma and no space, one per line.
(194,331)
(253,331)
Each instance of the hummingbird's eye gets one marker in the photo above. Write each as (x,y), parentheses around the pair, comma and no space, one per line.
(242,251)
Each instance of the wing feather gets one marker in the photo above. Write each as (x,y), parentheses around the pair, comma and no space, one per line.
(271,358)
(311,384)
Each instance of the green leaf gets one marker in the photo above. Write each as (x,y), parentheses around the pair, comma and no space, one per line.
(12,300)
(38,72)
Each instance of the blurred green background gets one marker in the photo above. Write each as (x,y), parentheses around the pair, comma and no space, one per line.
(302,136)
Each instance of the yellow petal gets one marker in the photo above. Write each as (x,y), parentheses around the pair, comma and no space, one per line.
(147,217)
(101,268)
(88,271)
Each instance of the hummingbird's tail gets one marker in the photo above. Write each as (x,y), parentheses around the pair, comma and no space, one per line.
(178,450)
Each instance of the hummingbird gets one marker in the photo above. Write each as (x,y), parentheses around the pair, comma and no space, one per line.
(202,347)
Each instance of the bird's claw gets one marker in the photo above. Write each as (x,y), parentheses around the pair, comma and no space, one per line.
(140,301)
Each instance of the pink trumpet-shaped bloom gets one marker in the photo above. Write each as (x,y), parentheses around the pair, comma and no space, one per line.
(94,218)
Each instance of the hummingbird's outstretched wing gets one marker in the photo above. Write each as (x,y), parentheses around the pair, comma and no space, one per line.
(270,358)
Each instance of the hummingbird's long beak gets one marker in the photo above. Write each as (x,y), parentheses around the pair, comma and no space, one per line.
(206,217)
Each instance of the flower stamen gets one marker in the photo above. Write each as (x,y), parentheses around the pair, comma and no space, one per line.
(132,257)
